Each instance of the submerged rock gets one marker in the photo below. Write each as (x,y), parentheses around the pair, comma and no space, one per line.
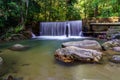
(110,44)
(115,58)
(71,53)
(88,44)
(18,47)
(1,60)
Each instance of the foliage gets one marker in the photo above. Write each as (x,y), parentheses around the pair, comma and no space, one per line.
(14,13)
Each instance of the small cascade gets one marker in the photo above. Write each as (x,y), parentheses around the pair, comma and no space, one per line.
(66,29)
(33,35)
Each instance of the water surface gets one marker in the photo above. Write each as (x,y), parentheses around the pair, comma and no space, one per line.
(38,63)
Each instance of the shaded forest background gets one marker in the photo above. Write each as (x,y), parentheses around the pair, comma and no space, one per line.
(15,15)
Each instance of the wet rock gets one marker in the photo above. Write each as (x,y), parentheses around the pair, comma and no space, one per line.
(115,58)
(27,34)
(110,44)
(113,33)
(18,47)
(21,35)
(1,60)
(16,37)
(116,49)
(88,44)
(116,36)
(71,54)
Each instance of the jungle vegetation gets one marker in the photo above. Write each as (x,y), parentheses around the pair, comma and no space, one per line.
(16,14)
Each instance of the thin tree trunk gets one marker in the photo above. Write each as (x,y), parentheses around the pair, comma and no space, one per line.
(96,11)
(22,14)
(45,11)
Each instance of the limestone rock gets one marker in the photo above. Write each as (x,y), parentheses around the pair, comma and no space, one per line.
(71,53)
(88,44)
(110,44)
(18,47)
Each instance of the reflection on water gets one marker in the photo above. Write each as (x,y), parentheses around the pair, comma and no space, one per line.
(38,63)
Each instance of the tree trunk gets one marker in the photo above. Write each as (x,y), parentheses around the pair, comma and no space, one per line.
(45,11)
(96,11)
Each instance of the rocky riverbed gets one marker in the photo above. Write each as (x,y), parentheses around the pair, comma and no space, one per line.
(88,51)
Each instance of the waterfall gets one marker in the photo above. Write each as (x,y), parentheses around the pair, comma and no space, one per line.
(68,28)
(75,28)
(52,28)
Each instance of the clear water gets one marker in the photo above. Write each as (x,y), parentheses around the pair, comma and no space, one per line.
(38,63)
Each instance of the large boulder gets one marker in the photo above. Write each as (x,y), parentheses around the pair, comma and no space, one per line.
(18,47)
(88,44)
(110,44)
(71,53)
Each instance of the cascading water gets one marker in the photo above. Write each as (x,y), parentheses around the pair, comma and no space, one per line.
(33,35)
(61,29)
(52,29)
(75,28)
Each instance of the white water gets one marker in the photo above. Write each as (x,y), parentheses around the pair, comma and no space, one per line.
(33,35)
(60,37)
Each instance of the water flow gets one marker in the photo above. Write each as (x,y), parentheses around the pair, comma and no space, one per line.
(75,28)
(68,29)
(52,28)
(33,35)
